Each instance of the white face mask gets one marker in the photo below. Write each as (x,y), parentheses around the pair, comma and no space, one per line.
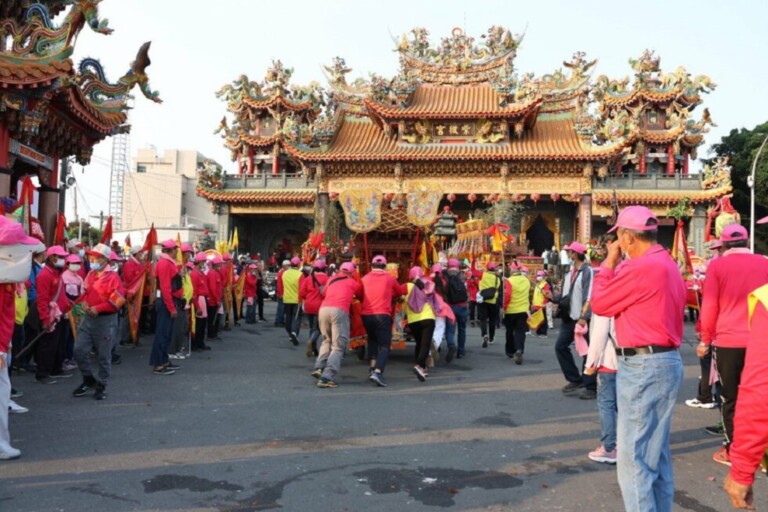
(96,266)
(539,278)
(74,267)
(59,263)
(81,252)
(114,266)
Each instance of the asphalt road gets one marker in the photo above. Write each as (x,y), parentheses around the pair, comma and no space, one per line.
(243,428)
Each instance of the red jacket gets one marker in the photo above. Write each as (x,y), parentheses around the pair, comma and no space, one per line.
(724,314)
(750,436)
(165,271)
(340,291)
(249,288)
(7,315)
(473,285)
(104,291)
(199,285)
(132,270)
(309,292)
(279,291)
(48,284)
(215,287)
(379,288)
(647,297)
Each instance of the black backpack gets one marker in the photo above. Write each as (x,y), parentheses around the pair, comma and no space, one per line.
(455,292)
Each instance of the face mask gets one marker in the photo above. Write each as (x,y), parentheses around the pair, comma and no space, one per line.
(59,263)
(114,267)
(74,267)
(81,252)
(539,278)
(96,266)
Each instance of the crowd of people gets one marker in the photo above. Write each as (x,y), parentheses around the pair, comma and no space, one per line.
(625,318)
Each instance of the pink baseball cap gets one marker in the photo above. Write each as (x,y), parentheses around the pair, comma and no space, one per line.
(169,244)
(72,258)
(515,266)
(733,233)
(190,265)
(253,265)
(56,250)
(437,267)
(295,261)
(579,247)
(379,260)
(320,264)
(635,218)
(347,266)
(200,257)
(185,247)
(491,266)
(453,263)
(415,273)
(226,257)
(540,273)
(217,260)
(764,220)
(114,257)
(12,233)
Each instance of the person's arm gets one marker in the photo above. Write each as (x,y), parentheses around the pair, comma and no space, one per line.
(507,294)
(710,306)
(614,292)
(586,294)
(164,283)
(599,327)
(116,298)
(44,296)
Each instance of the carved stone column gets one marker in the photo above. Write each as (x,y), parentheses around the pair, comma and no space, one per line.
(585,218)
(697,228)
(321,214)
(224,222)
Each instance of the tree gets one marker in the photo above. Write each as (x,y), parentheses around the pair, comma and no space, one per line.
(91,234)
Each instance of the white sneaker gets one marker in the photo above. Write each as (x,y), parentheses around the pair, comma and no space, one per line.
(11,454)
(695,403)
(180,355)
(14,407)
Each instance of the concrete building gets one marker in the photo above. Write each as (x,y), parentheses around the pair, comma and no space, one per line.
(161,190)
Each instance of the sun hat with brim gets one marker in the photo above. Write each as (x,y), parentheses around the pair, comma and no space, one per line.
(348,266)
(576,247)
(734,233)
(379,260)
(169,244)
(100,251)
(320,264)
(56,250)
(72,258)
(185,247)
(75,242)
(636,218)
(12,233)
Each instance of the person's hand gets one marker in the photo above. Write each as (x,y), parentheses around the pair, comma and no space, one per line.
(614,255)
(174,314)
(702,349)
(740,495)
(589,371)
(582,322)
(3,361)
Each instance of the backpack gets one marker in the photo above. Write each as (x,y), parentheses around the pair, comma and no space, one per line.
(455,292)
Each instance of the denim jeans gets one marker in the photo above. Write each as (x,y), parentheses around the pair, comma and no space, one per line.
(99,334)
(314,329)
(280,315)
(647,388)
(606,404)
(163,335)
(460,325)
(379,330)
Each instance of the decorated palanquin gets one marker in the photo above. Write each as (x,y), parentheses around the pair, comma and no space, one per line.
(459,120)
(50,108)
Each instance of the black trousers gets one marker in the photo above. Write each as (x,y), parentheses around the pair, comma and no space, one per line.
(565,356)
(379,331)
(472,309)
(516,324)
(260,305)
(49,352)
(422,332)
(198,342)
(730,364)
(213,325)
(705,388)
(488,315)
(292,318)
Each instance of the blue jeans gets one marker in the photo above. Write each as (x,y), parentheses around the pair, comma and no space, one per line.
(379,330)
(280,316)
(461,313)
(647,388)
(606,404)
(163,335)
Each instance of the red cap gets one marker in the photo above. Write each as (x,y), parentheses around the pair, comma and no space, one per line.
(578,247)
(635,218)
(169,244)
(734,233)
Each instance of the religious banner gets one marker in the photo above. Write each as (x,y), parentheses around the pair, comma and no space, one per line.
(362,209)
(423,201)
(134,293)
(75,316)
(680,251)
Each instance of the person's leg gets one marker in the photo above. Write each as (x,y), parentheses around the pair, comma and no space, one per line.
(550,318)
(324,319)
(289,313)
(730,364)
(372,342)
(213,324)
(83,346)
(163,333)
(606,404)
(450,332)
(493,318)
(384,337)
(45,353)
(520,326)
(199,339)
(472,309)
(105,336)
(280,315)
(439,332)
(260,303)
(590,381)
(509,335)
(5,397)
(564,354)
(339,340)
(297,320)
(427,329)
(460,312)
(482,315)
(704,394)
(61,345)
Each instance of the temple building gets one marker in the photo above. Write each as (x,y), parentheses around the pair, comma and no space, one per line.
(51,109)
(458,126)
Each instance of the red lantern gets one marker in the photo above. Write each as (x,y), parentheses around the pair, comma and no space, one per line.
(451,198)
(575,196)
(472,198)
(555,197)
(333,196)
(535,198)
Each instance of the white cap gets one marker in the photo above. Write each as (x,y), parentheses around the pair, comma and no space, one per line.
(72,243)
(136,249)
(286,263)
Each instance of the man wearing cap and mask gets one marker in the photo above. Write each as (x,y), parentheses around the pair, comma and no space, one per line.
(52,304)
(646,295)
(725,318)
(575,310)
(103,297)
(169,306)
(280,315)
(456,296)
(76,247)
(291,279)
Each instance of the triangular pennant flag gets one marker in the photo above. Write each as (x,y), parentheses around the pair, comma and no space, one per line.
(106,235)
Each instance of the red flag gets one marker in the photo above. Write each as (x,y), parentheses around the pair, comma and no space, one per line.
(680,251)
(61,222)
(151,240)
(106,236)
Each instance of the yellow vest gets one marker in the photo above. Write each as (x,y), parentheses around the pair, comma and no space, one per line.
(186,286)
(426,312)
(22,306)
(490,280)
(538,294)
(519,302)
(291,286)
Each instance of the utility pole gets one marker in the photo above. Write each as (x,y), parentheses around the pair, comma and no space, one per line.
(101,220)
(64,167)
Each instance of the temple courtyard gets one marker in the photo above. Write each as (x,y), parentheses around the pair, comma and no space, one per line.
(243,428)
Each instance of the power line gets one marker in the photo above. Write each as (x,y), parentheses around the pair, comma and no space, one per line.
(141,204)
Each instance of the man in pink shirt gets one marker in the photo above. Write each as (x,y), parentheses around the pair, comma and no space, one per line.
(334,323)
(379,288)
(751,423)
(646,295)
(725,318)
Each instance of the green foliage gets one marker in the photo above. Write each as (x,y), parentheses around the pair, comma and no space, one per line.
(91,234)
(681,210)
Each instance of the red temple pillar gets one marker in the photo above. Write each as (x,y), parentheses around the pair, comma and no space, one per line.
(670,160)
(642,162)
(250,160)
(47,209)
(685,162)
(5,161)
(276,160)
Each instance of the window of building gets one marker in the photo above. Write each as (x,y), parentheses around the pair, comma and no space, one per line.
(141,168)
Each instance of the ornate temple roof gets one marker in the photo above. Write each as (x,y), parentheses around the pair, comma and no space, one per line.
(668,197)
(258,196)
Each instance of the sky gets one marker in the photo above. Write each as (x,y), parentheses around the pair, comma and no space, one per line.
(199,46)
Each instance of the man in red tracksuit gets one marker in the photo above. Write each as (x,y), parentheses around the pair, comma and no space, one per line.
(751,422)
(52,304)
(725,319)
(310,294)
(103,297)
(215,293)
(169,305)
(379,289)
(200,296)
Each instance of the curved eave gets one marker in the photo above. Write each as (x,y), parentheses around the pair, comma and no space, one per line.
(246,196)
(661,136)
(651,96)
(670,197)
(32,74)
(278,99)
(89,114)
(513,111)
(260,142)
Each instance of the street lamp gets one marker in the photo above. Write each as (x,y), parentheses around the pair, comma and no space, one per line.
(751,185)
